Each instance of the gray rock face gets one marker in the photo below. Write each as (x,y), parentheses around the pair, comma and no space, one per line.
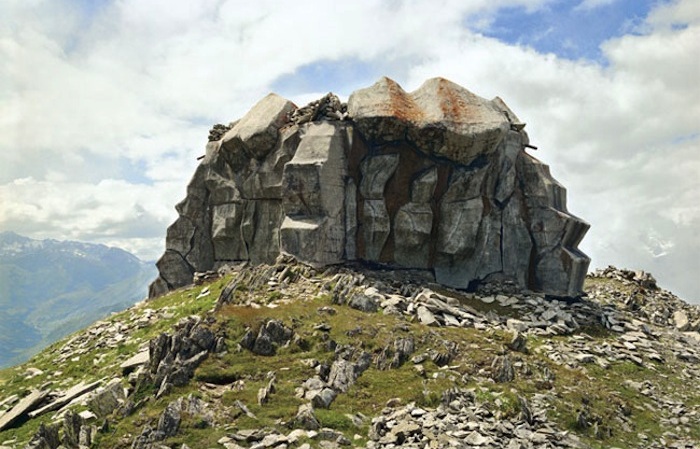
(271,335)
(174,357)
(107,399)
(313,229)
(437,179)
(170,420)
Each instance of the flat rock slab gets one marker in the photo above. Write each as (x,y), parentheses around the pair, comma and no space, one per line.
(137,360)
(65,398)
(27,404)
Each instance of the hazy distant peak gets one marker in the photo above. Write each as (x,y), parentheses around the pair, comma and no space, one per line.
(13,245)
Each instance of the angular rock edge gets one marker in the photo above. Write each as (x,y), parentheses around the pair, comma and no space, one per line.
(437,179)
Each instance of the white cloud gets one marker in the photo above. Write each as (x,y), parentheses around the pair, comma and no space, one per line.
(588,5)
(675,13)
(106,212)
(137,85)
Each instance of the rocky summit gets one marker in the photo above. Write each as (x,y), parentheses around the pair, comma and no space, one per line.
(437,180)
(394,272)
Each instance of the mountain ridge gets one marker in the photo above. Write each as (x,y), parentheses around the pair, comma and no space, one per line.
(51,288)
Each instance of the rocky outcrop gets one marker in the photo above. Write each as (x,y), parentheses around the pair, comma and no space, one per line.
(72,433)
(437,179)
(271,335)
(174,357)
(169,421)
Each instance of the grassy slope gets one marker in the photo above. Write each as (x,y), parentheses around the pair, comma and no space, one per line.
(600,392)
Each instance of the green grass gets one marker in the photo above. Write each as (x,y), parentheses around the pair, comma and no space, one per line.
(99,362)
(621,412)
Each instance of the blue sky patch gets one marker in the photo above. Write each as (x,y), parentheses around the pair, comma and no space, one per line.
(338,76)
(567,30)
(133,171)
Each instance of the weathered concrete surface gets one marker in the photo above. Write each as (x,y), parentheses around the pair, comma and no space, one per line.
(440,118)
(314,183)
(436,179)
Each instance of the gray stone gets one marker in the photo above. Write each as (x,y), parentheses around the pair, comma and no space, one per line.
(305,418)
(364,303)
(412,231)
(426,317)
(502,369)
(476,439)
(174,269)
(173,358)
(343,373)
(47,437)
(22,408)
(227,237)
(65,398)
(377,226)
(314,226)
(518,342)
(376,171)
(350,220)
(138,359)
(437,179)
(257,132)
(261,230)
(323,398)
(107,400)
(414,223)
(169,421)
(72,424)
(457,242)
(680,320)
(271,335)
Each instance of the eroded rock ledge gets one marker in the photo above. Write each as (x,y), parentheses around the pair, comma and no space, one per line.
(436,179)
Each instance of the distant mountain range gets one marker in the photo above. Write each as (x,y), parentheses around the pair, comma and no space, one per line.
(50,288)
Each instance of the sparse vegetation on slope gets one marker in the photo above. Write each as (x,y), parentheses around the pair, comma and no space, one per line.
(425,365)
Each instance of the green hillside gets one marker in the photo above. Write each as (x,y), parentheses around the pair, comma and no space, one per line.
(285,356)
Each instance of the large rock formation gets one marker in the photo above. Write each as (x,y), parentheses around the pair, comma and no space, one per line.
(435,179)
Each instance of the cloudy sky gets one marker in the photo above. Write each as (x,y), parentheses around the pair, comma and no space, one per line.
(106,104)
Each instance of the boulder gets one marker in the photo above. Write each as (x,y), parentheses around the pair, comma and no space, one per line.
(271,335)
(344,372)
(680,320)
(414,223)
(46,437)
(437,179)
(441,118)
(256,133)
(174,357)
(22,408)
(65,397)
(107,399)
(364,303)
(305,418)
(323,398)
